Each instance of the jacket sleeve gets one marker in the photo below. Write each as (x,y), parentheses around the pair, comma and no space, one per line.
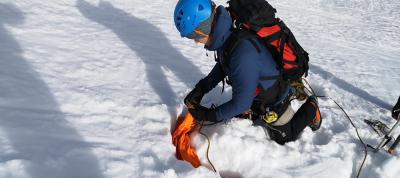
(244,77)
(213,78)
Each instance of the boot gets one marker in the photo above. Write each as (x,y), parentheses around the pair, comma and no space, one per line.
(317,120)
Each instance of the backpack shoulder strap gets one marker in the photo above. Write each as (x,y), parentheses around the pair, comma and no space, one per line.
(237,36)
(232,42)
(234,39)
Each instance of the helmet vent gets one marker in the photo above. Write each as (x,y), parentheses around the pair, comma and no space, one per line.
(179,18)
(201,7)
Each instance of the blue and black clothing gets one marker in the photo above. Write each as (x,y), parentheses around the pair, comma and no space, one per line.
(248,62)
(244,69)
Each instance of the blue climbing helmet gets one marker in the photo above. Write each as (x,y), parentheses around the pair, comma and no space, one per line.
(189,14)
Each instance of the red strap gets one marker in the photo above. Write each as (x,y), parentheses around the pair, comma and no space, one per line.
(267,31)
(258,90)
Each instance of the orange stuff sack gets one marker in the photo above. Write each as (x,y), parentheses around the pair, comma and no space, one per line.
(181,140)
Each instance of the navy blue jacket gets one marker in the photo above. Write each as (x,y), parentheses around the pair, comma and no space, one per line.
(246,66)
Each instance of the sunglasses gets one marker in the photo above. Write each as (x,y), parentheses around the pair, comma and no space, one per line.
(202,30)
(196,34)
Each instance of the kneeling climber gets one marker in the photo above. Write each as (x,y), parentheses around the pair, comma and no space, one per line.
(261,88)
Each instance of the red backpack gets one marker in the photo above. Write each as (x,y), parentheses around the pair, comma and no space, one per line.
(256,18)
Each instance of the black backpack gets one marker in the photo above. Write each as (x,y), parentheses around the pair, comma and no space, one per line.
(255,19)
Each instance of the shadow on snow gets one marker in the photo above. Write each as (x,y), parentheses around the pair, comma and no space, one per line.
(349,87)
(30,117)
(150,43)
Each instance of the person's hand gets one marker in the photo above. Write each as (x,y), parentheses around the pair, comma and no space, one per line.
(396,110)
(395,113)
(201,113)
(195,96)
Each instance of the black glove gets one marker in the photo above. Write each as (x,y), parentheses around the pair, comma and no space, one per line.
(195,96)
(396,109)
(201,113)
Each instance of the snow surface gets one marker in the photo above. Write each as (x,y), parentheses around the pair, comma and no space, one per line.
(92,89)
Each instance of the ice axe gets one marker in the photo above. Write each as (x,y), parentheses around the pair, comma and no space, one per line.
(386,139)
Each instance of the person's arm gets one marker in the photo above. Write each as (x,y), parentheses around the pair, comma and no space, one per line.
(213,78)
(244,77)
(204,86)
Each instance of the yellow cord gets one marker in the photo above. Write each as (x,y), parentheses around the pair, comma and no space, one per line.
(208,147)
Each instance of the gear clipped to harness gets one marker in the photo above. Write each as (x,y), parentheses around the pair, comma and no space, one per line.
(270,117)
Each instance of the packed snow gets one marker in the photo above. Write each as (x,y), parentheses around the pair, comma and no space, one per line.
(93,88)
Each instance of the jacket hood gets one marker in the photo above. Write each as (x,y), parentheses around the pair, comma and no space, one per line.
(221,30)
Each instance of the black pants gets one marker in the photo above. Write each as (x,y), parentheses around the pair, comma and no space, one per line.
(290,131)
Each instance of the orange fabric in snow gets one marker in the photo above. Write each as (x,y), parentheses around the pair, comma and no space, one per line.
(181,139)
